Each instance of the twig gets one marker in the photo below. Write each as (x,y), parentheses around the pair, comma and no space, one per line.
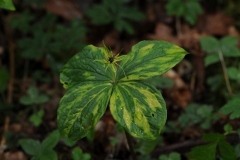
(130,145)
(225,72)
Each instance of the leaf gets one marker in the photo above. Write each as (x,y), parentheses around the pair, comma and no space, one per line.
(85,66)
(232,108)
(7,4)
(229,46)
(42,98)
(204,152)
(209,44)
(211,59)
(51,141)
(26,100)
(4,78)
(30,146)
(228,128)
(77,154)
(48,155)
(226,151)
(36,119)
(148,59)
(145,147)
(81,108)
(139,108)
(213,137)
(161,82)
(233,73)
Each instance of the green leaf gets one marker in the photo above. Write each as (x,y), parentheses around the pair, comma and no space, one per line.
(148,59)
(42,98)
(233,73)
(30,146)
(4,78)
(228,128)
(88,65)
(229,46)
(26,100)
(77,154)
(172,156)
(232,108)
(51,141)
(204,152)
(226,151)
(211,59)
(47,155)
(145,147)
(213,137)
(81,108)
(209,44)
(175,7)
(7,4)
(36,119)
(139,108)
(33,92)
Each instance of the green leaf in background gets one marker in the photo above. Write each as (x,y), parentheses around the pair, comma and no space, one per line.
(189,9)
(232,108)
(148,59)
(142,115)
(203,152)
(33,97)
(30,146)
(171,156)
(77,154)
(234,73)
(44,150)
(81,108)
(4,79)
(36,119)
(51,141)
(211,59)
(226,150)
(237,149)
(228,128)
(229,46)
(209,44)
(7,4)
(218,147)
(114,12)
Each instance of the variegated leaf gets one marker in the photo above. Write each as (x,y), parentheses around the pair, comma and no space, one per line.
(88,65)
(81,108)
(148,59)
(139,108)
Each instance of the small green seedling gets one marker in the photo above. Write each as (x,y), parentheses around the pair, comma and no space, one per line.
(114,12)
(34,97)
(36,118)
(217,147)
(41,151)
(189,9)
(136,105)
(217,50)
(161,82)
(171,156)
(7,4)
(77,154)
(226,47)
(198,114)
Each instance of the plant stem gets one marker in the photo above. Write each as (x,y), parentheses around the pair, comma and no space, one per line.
(225,72)
(130,145)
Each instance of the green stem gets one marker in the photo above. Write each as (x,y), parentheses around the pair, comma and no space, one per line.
(225,72)
(130,145)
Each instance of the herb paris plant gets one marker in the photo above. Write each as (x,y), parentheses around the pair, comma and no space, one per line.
(134,104)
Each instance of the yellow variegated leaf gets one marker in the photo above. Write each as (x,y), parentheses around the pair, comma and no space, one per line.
(139,108)
(88,65)
(148,59)
(81,108)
